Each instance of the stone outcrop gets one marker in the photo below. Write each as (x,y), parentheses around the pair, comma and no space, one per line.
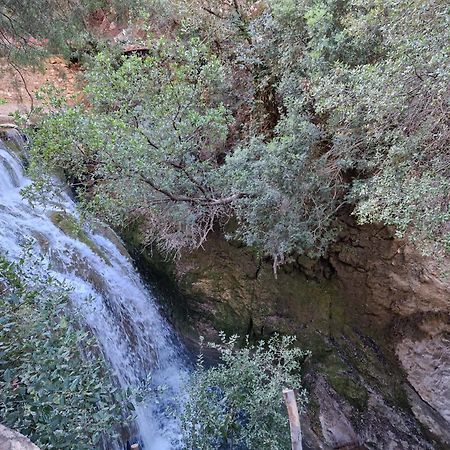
(12,440)
(407,298)
(375,315)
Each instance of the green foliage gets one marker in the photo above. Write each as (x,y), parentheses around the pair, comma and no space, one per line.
(276,113)
(291,201)
(387,117)
(54,386)
(148,147)
(239,403)
(32,29)
(367,86)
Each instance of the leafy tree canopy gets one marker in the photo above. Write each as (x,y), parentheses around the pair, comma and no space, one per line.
(32,29)
(274,113)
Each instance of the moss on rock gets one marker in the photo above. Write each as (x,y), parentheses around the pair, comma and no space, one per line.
(230,288)
(70,226)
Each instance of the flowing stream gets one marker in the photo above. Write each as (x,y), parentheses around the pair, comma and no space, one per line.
(107,291)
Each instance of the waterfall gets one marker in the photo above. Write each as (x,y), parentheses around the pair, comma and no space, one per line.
(107,290)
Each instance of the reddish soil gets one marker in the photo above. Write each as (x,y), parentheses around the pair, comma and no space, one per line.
(16,88)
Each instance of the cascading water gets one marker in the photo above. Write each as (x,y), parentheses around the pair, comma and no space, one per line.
(120,309)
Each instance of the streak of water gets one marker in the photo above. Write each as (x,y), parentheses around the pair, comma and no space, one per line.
(121,311)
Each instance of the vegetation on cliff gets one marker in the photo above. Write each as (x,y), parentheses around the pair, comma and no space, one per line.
(264,119)
(274,113)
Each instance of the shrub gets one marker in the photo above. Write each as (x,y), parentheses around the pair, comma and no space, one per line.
(239,403)
(54,386)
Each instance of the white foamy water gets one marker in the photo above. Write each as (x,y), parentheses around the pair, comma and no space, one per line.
(121,311)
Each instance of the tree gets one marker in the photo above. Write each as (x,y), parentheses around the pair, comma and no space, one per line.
(276,114)
(33,29)
(239,402)
(148,147)
(30,30)
(364,89)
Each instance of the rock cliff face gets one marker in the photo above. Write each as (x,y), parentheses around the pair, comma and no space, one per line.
(406,298)
(375,315)
(12,440)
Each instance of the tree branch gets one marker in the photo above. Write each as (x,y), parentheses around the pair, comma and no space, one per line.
(205,201)
(210,11)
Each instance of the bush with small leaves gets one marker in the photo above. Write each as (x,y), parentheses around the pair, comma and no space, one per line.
(238,403)
(54,384)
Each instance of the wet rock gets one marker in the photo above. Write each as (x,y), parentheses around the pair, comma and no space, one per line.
(406,298)
(336,428)
(428,416)
(427,365)
(373,314)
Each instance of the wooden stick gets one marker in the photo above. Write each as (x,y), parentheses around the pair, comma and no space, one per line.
(294,418)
